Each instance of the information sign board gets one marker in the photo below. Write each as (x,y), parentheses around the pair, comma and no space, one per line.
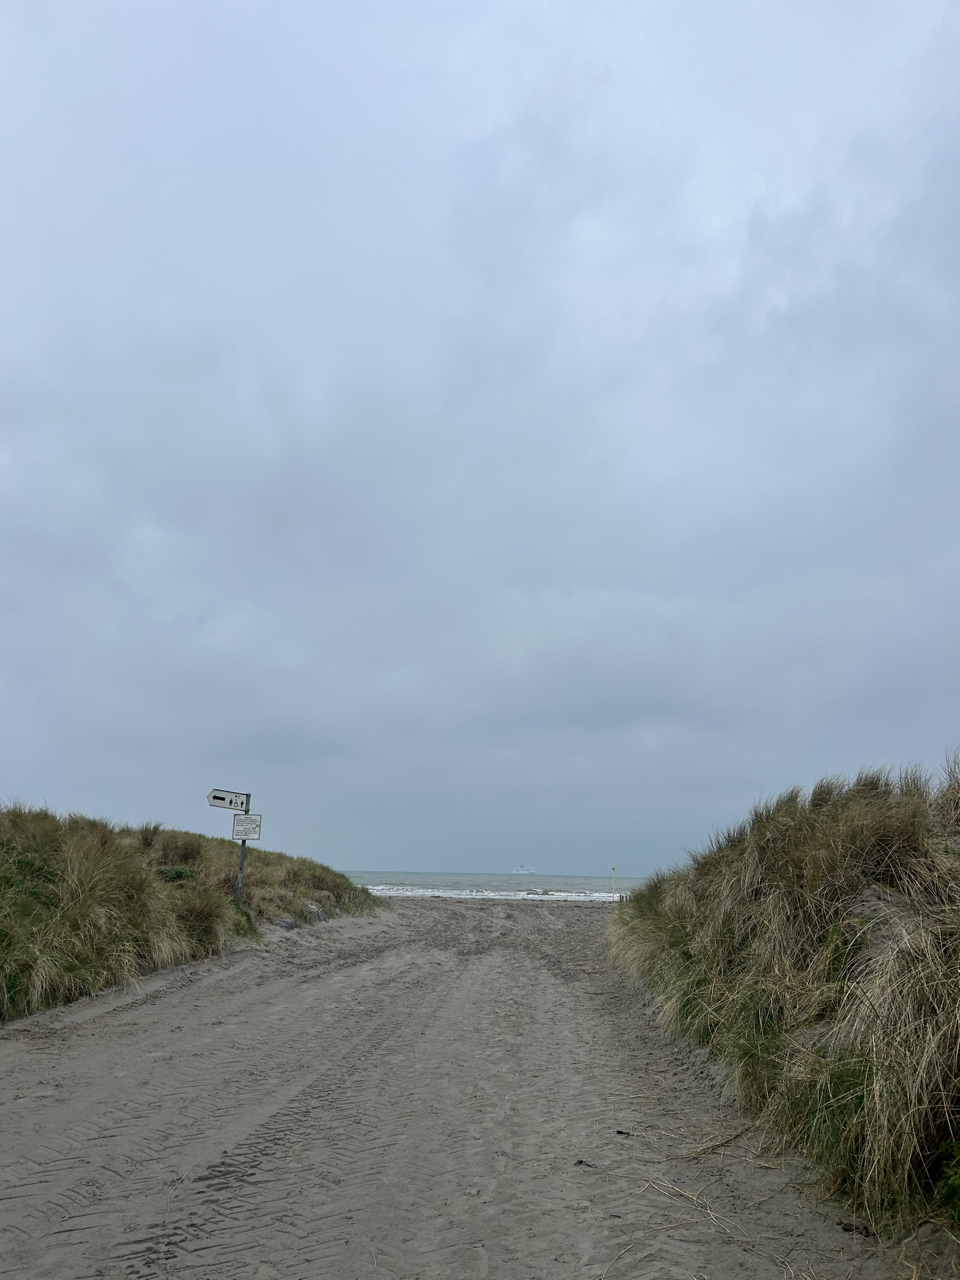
(246,826)
(228,799)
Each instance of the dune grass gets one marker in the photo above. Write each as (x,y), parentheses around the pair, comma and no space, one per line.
(815,948)
(85,905)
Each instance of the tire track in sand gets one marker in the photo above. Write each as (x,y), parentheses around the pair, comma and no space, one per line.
(435,1095)
(423,1133)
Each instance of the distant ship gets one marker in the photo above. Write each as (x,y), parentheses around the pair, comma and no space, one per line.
(524,871)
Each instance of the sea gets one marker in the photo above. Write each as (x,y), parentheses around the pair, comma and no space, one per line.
(525,884)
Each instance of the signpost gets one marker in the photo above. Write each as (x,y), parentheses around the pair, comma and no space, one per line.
(246,825)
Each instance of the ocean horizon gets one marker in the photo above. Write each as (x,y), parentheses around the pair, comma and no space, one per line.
(522,884)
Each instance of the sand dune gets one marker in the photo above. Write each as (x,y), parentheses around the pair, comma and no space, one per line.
(449,1089)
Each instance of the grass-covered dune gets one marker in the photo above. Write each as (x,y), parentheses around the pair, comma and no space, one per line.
(86,905)
(815,949)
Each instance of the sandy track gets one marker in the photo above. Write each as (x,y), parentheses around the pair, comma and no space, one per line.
(436,1092)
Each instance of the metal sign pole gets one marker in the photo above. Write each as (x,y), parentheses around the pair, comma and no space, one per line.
(243,854)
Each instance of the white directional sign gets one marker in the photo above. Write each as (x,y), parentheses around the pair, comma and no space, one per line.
(246,826)
(228,799)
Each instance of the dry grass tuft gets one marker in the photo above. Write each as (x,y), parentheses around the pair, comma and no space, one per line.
(85,905)
(816,949)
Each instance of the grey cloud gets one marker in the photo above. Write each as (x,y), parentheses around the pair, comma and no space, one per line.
(507,437)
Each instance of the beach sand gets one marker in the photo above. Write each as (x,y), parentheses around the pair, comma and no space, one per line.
(448,1089)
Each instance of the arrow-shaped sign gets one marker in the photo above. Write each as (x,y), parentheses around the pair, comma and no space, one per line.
(229,800)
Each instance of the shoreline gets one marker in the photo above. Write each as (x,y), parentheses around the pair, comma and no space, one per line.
(485,895)
(478,886)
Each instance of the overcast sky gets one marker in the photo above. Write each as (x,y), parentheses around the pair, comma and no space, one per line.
(518,430)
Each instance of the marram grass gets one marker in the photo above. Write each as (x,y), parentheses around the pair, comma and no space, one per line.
(85,905)
(815,948)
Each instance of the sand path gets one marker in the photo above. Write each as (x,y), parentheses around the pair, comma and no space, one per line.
(447,1090)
